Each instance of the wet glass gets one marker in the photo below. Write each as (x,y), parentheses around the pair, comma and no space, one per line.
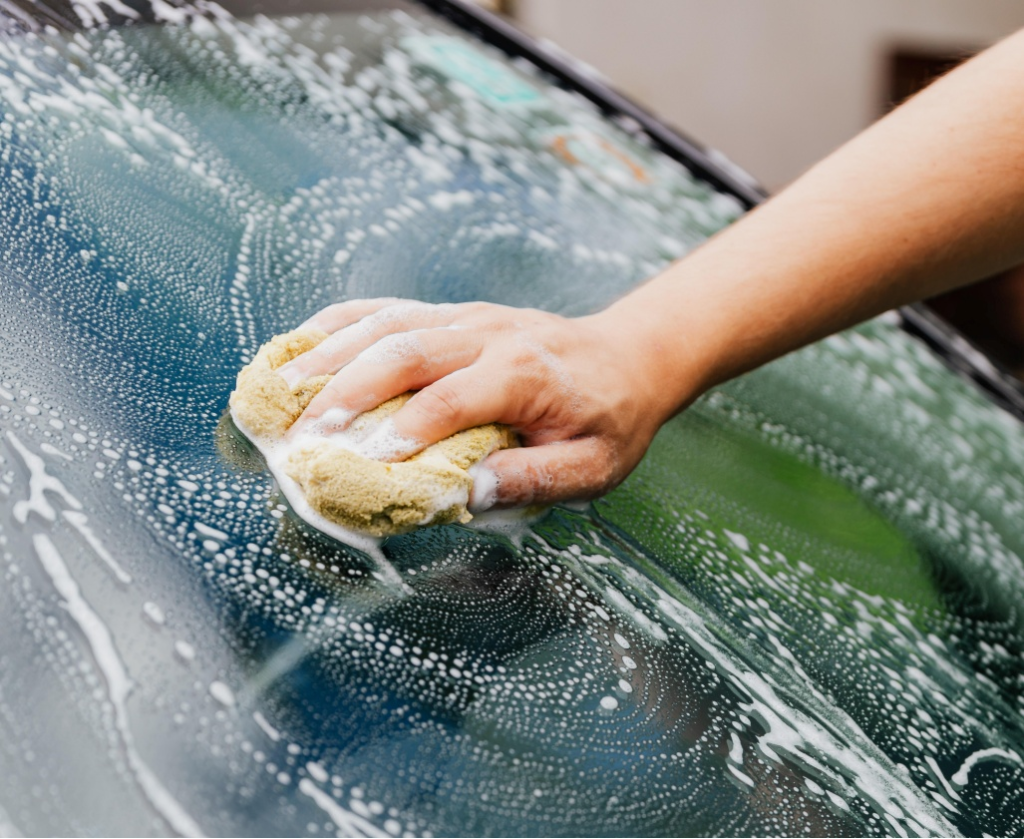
(799,616)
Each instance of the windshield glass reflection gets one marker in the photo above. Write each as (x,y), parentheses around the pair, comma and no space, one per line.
(800,615)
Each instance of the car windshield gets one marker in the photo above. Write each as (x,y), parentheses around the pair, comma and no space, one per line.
(800,615)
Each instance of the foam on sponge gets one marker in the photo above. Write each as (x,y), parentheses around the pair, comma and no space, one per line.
(339,481)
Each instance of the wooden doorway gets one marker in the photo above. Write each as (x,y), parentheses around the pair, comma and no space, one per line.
(910,69)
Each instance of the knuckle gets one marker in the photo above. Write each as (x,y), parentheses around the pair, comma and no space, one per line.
(528,362)
(401,349)
(328,348)
(397,316)
(605,472)
(610,471)
(504,323)
(524,355)
(474,309)
(598,472)
(408,308)
(543,477)
(374,321)
(440,401)
(332,311)
(397,345)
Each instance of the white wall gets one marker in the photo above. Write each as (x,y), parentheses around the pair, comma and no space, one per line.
(774,84)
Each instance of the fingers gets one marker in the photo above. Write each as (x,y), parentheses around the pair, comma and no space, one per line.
(395,364)
(349,341)
(467,398)
(573,470)
(339,315)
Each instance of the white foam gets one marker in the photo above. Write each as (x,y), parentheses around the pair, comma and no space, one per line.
(739,540)
(46,448)
(447,200)
(485,488)
(211,532)
(163,11)
(735,748)
(185,651)
(742,776)
(39,483)
(394,347)
(937,771)
(347,822)
(92,13)
(222,693)
(961,776)
(276,455)
(118,682)
(514,524)
(80,522)
(432,169)
(386,444)
(790,730)
(154,614)
(266,727)
(331,421)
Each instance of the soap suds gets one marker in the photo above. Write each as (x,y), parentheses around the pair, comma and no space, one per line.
(118,684)
(485,488)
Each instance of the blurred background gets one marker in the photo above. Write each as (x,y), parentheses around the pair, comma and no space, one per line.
(778,85)
(774,85)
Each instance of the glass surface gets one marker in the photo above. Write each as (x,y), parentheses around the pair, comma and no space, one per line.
(799,616)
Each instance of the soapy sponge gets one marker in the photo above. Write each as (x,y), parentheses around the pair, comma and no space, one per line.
(335,477)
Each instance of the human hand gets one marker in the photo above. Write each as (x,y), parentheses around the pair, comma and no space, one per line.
(582,393)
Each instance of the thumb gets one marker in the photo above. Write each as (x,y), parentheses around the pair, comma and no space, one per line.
(572,470)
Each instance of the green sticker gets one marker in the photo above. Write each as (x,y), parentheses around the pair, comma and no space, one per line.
(462,63)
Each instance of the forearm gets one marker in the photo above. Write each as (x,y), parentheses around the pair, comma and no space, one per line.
(928,199)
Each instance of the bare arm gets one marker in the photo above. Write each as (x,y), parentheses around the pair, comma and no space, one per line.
(928,199)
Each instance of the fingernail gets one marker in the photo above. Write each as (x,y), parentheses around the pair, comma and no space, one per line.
(291,375)
(484,494)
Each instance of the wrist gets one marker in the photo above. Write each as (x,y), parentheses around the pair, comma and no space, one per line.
(656,354)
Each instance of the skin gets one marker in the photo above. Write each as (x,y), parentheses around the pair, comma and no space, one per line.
(927,200)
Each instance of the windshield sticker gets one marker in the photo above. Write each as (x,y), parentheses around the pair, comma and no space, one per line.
(460,62)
